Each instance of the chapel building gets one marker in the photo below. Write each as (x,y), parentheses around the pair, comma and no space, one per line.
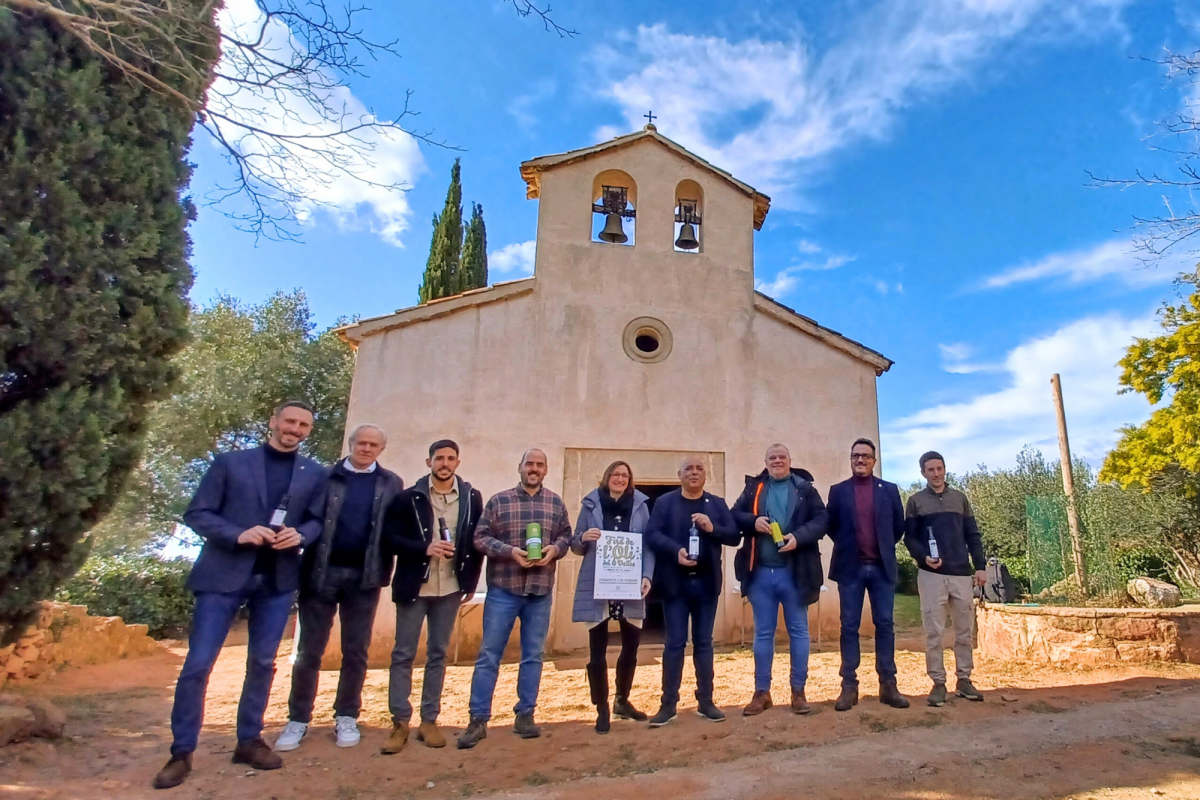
(647,350)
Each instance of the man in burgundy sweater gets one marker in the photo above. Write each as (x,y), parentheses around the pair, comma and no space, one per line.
(866,520)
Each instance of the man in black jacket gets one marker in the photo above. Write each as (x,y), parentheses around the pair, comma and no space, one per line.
(690,587)
(941,534)
(342,574)
(431,529)
(785,573)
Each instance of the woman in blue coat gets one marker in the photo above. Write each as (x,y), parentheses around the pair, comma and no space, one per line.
(614,506)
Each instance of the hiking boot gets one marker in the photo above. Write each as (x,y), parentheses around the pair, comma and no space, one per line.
(256,754)
(759,703)
(710,712)
(525,728)
(293,734)
(799,703)
(889,695)
(967,689)
(173,773)
(475,733)
(665,714)
(347,731)
(396,739)
(623,709)
(847,699)
(937,697)
(603,722)
(428,733)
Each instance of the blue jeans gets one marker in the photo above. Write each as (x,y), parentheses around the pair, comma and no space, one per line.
(770,588)
(501,610)
(695,602)
(211,619)
(871,579)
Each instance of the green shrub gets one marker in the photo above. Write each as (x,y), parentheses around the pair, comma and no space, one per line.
(139,589)
(906,571)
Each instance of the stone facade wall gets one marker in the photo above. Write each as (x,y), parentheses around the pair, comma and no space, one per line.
(1089,636)
(64,634)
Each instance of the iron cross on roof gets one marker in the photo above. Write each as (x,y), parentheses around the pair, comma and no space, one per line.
(650,117)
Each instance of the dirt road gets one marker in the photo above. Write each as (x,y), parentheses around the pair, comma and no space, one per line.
(1107,733)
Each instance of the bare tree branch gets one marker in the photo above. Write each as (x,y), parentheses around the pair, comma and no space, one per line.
(527,8)
(1172,230)
(277,103)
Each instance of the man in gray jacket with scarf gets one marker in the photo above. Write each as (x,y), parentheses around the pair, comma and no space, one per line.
(342,574)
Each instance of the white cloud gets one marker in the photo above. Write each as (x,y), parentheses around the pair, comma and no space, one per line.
(522,107)
(787,278)
(809,247)
(783,282)
(768,110)
(1111,260)
(516,257)
(954,360)
(388,158)
(991,427)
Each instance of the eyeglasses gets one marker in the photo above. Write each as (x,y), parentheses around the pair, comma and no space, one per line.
(861,457)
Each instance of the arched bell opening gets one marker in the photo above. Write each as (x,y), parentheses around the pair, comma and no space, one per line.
(689,203)
(614,208)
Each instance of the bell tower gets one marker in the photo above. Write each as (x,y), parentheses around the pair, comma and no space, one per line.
(640,217)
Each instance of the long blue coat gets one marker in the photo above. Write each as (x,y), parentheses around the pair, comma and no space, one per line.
(587,608)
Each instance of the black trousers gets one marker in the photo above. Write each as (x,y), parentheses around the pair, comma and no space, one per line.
(631,636)
(342,595)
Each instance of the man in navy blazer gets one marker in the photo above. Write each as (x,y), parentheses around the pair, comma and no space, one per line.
(251,556)
(866,520)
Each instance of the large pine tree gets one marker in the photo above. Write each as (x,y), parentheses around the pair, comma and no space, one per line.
(473,268)
(441,270)
(93,280)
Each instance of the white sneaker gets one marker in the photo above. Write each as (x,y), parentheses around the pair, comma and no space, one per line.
(292,734)
(347,731)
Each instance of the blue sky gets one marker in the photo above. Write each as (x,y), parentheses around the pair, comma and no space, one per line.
(926,159)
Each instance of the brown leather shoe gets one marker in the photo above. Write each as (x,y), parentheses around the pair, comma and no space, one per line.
(428,733)
(890,695)
(256,754)
(174,772)
(759,703)
(396,739)
(799,704)
(847,699)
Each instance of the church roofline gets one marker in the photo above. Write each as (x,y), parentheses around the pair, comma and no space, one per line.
(531,170)
(355,332)
(789,316)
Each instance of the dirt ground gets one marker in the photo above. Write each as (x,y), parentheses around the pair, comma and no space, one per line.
(1122,733)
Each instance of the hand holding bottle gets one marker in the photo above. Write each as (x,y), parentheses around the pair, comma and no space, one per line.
(259,534)
(286,539)
(439,549)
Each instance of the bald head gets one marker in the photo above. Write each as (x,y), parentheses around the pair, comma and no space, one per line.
(532,469)
(778,461)
(692,475)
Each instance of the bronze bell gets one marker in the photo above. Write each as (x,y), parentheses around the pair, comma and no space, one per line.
(614,231)
(687,237)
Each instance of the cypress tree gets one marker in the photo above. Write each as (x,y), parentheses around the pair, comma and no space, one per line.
(473,269)
(93,281)
(441,270)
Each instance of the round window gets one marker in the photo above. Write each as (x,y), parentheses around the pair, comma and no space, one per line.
(647,339)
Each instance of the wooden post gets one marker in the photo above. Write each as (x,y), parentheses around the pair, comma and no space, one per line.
(1064,452)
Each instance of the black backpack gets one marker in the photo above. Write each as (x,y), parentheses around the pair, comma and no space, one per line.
(999,586)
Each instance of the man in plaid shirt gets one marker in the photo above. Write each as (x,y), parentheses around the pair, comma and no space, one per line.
(518,588)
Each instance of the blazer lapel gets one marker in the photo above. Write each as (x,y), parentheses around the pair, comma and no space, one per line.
(260,475)
(852,501)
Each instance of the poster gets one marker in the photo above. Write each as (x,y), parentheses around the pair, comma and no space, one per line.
(618,566)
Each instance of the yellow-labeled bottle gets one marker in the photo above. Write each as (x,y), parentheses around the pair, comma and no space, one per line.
(533,541)
(776,534)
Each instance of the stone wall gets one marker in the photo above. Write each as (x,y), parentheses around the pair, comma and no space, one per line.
(63,635)
(1089,636)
